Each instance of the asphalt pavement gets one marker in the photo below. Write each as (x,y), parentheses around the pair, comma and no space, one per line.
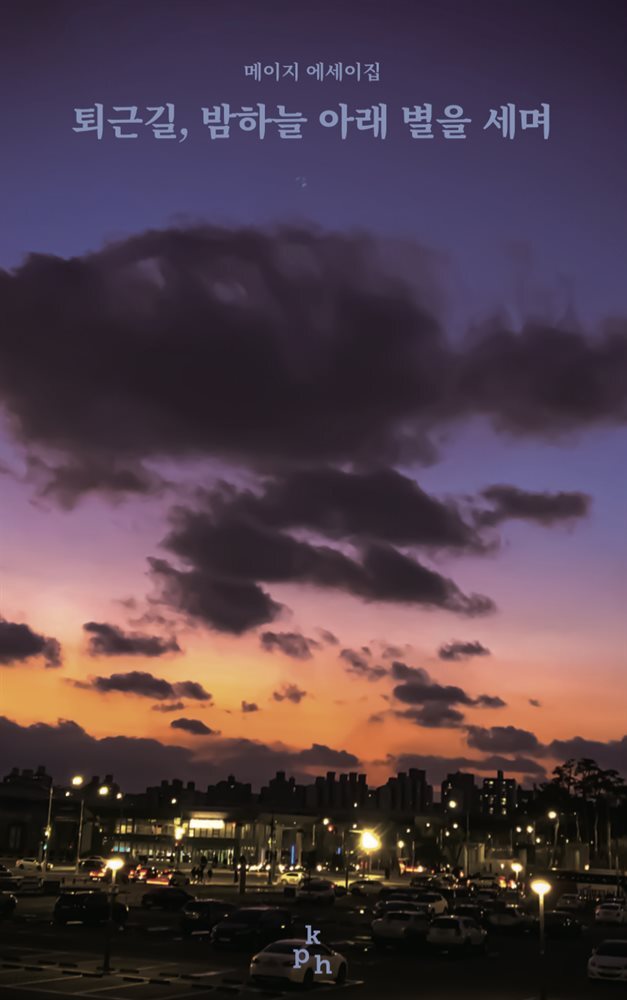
(152,961)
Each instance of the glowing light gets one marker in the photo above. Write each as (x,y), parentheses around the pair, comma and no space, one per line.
(77,780)
(401,844)
(552,814)
(114,864)
(540,887)
(103,790)
(517,867)
(369,841)
(452,804)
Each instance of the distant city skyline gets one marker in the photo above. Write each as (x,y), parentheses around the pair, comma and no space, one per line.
(323,476)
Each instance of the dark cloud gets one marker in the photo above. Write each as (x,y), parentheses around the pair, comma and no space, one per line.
(110,640)
(376,717)
(145,685)
(230,556)
(419,689)
(433,715)
(232,606)
(459,650)
(510,502)
(193,726)
(290,692)
(18,643)
(323,756)
(438,767)
(249,706)
(502,739)
(328,637)
(610,754)
(65,484)
(380,504)
(292,644)
(358,664)
(390,652)
(535,703)
(367,378)
(174,706)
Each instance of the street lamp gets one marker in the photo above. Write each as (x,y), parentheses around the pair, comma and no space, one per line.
(541,887)
(103,790)
(113,865)
(555,819)
(77,781)
(517,868)
(369,842)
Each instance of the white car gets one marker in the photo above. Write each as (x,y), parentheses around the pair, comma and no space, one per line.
(609,961)
(610,913)
(365,887)
(436,903)
(319,890)
(278,962)
(291,878)
(29,865)
(397,926)
(456,932)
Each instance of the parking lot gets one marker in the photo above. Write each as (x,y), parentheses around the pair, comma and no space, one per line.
(151,959)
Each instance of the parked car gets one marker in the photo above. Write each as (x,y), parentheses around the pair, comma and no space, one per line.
(610,913)
(609,961)
(316,890)
(87,907)
(400,927)
(93,861)
(435,901)
(252,927)
(166,898)
(366,887)
(141,873)
(29,865)
(5,872)
(390,905)
(277,962)
(456,933)
(8,902)
(471,911)
(509,918)
(201,915)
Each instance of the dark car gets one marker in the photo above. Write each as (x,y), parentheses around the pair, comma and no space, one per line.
(8,902)
(201,915)
(166,898)
(89,907)
(473,912)
(366,887)
(252,927)
(560,924)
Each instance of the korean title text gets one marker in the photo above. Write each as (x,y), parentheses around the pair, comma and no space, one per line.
(222,121)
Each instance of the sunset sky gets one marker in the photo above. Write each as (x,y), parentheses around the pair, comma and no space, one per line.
(312,453)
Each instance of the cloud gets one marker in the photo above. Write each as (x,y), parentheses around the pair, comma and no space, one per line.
(535,703)
(378,504)
(292,644)
(323,756)
(174,706)
(230,556)
(66,484)
(290,692)
(193,726)
(328,637)
(358,664)
(433,715)
(18,643)
(510,502)
(110,640)
(459,650)
(609,754)
(502,739)
(368,379)
(145,685)
(249,706)
(419,689)
(437,768)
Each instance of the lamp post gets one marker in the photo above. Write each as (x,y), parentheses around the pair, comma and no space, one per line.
(369,842)
(453,805)
(555,819)
(517,868)
(541,887)
(114,865)
(77,781)
(47,832)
